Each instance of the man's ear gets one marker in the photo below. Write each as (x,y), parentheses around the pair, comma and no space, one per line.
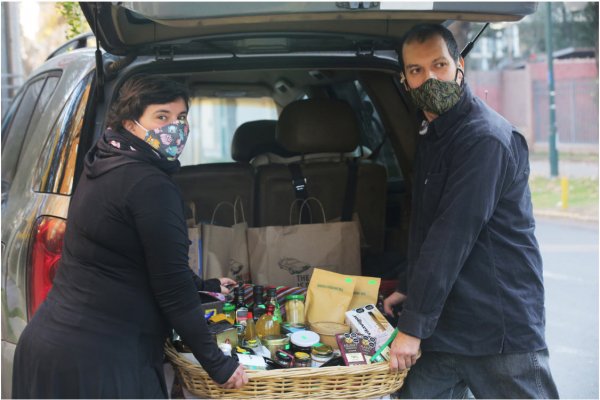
(461,63)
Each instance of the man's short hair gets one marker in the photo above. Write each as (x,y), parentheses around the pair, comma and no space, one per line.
(423,32)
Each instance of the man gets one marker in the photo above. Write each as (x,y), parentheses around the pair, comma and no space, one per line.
(473,295)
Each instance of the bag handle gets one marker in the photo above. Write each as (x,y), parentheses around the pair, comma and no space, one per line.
(296,201)
(212,220)
(304,203)
(238,202)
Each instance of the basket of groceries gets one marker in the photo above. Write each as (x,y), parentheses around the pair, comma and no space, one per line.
(293,347)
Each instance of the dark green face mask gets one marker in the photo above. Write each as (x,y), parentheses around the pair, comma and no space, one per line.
(437,96)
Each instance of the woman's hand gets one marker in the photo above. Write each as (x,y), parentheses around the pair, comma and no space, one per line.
(392,300)
(237,380)
(226,282)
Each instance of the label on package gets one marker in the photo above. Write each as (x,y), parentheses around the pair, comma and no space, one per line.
(356,349)
(369,321)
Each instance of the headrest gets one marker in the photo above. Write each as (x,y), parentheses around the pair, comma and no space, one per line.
(318,126)
(256,137)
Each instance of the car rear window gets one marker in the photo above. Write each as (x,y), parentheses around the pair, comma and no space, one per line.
(213,122)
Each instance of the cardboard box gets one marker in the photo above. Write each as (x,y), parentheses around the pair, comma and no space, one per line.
(369,321)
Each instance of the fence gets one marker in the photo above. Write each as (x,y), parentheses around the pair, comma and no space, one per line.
(521,96)
(576,111)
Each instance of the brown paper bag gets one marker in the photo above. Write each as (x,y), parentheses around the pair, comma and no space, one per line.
(194,251)
(365,291)
(225,248)
(287,255)
(328,296)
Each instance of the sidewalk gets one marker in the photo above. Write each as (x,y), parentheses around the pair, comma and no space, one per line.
(569,169)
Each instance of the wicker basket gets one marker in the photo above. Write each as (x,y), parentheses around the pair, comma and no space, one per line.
(356,382)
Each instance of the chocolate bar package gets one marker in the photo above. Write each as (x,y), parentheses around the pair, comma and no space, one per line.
(356,348)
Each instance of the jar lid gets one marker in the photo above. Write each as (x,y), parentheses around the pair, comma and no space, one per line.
(282,355)
(323,350)
(228,307)
(295,297)
(276,339)
(304,338)
(252,343)
(301,356)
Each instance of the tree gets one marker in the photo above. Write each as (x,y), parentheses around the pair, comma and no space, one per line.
(573,25)
(74,17)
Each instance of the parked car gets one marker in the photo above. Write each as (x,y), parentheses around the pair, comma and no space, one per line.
(243,62)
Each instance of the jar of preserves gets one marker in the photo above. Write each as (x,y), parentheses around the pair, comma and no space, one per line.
(302,359)
(229,311)
(303,341)
(294,309)
(284,358)
(320,354)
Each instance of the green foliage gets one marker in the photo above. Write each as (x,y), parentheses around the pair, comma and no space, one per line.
(572,26)
(74,18)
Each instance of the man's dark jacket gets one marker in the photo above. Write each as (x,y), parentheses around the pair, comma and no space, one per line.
(474,280)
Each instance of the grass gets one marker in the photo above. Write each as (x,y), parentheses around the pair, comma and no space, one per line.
(564,156)
(582,193)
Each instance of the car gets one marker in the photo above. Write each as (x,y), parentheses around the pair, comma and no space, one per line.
(244,63)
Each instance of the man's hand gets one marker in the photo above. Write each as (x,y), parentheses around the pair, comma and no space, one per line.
(226,282)
(237,380)
(404,351)
(392,300)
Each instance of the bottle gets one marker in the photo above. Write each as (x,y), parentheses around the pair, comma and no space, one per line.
(272,299)
(241,310)
(259,308)
(250,332)
(238,294)
(267,325)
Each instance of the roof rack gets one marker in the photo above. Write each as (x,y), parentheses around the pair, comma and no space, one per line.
(78,42)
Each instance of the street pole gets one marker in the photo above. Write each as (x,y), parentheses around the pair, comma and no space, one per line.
(549,50)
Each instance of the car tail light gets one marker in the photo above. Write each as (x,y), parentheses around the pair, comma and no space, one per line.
(46,249)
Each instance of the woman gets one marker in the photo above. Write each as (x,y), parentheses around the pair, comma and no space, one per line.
(124,278)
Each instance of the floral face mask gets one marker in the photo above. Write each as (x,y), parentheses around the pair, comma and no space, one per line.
(437,96)
(168,140)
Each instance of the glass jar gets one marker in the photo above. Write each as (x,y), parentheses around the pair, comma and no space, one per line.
(302,359)
(284,358)
(294,309)
(320,354)
(303,341)
(229,311)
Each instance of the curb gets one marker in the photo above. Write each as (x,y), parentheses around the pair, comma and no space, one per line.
(565,214)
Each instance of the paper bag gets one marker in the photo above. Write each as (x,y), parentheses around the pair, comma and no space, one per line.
(365,291)
(225,248)
(287,255)
(195,250)
(328,296)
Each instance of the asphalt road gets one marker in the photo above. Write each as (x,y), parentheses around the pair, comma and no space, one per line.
(570,253)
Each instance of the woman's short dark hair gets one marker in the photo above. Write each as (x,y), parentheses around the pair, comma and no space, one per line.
(141,91)
(423,32)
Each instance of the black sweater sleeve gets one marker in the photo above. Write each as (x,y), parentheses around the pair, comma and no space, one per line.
(155,204)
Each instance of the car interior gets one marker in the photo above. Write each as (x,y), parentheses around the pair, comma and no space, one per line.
(326,139)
